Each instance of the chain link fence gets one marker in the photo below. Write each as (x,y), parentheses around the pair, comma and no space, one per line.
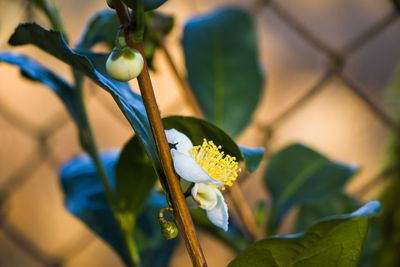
(19,247)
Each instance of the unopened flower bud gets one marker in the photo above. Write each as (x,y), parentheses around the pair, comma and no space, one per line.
(169,230)
(124,63)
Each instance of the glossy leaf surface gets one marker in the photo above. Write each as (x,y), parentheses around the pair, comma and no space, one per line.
(222,65)
(129,102)
(298,174)
(333,241)
(85,198)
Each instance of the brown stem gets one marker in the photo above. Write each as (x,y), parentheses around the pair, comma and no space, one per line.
(183,84)
(245,212)
(177,198)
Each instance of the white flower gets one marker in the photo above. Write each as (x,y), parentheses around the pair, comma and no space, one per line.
(207,167)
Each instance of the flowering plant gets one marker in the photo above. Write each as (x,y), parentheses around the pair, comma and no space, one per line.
(195,161)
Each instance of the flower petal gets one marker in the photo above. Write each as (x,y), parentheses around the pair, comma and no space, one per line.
(205,195)
(219,214)
(179,141)
(189,170)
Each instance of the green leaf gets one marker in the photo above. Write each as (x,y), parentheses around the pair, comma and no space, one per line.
(298,174)
(51,12)
(334,241)
(154,250)
(392,93)
(135,177)
(85,198)
(389,223)
(148,4)
(339,203)
(34,71)
(234,237)
(130,103)
(102,27)
(252,156)
(223,69)
(157,27)
(198,129)
(260,212)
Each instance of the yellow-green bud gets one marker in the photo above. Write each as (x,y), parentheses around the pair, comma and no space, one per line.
(124,63)
(169,230)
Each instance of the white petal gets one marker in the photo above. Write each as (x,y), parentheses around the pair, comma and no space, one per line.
(205,195)
(181,142)
(189,170)
(219,214)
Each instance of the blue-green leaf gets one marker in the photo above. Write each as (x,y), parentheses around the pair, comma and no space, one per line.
(102,27)
(234,237)
(333,241)
(339,203)
(298,174)
(252,156)
(198,129)
(34,71)
(135,177)
(85,198)
(223,68)
(129,102)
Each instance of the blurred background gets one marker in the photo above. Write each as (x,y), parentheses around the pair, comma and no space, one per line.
(327,65)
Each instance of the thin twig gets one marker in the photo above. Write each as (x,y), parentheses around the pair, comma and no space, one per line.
(176,195)
(245,212)
(183,84)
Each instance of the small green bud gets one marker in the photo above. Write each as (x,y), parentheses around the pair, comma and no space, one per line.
(110,4)
(169,230)
(124,63)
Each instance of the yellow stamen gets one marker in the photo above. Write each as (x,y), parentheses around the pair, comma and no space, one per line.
(223,168)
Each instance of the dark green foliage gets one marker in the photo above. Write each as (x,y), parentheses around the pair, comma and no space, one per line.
(297,175)
(101,28)
(223,68)
(129,102)
(334,241)
(234,237)
(85,198)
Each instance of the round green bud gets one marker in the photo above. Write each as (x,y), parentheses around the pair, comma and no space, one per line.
(169,230)
(124,64)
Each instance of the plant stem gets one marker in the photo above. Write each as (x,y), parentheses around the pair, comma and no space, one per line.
(176,195)
(245,212)
(183,84)
(89,145)
(87,140)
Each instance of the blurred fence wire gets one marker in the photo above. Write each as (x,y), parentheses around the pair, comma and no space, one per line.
(334,70)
